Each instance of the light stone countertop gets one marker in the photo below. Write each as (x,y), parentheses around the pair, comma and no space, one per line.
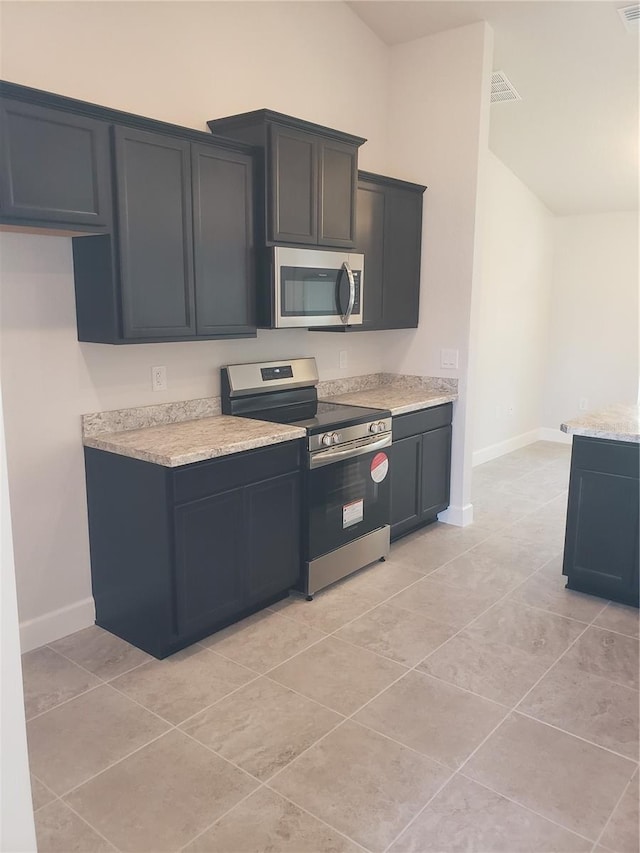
(397,397)
(182,443)
(618,422)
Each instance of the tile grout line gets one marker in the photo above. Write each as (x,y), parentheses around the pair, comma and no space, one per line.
(90,825)
(573,734)
(521,806)
(604,828)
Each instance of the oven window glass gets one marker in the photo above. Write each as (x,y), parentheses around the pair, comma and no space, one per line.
(309,292)
(343,484)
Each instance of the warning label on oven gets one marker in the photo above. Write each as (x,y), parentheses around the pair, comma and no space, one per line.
(379,467)
(352,513)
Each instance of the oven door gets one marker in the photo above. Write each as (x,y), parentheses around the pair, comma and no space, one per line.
(348,493)
(314,288)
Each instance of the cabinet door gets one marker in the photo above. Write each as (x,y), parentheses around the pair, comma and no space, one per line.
(209,545)
(273,536)
(406,455)
(601,545)
(223,241)
(153,175)
(402,247)
(338,170)
(54,167)
(436,472)
(293,180)
(369,241)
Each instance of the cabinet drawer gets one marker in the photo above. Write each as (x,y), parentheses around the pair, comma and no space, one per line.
(217,475)
(612,457)
(417,422)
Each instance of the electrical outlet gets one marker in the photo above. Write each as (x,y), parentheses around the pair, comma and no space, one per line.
(584,404)
(342,358)
(510,409)
(449,358)
(159,378)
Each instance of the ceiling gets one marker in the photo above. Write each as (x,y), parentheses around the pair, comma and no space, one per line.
(573,138)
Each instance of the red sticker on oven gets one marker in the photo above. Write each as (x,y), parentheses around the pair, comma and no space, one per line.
(379,467)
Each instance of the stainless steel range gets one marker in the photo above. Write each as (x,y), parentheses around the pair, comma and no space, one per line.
(347,493)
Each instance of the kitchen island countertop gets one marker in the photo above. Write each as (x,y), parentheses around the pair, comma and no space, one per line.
(618,422)
(190,441)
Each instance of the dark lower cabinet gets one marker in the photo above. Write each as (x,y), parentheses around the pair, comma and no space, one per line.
(210,583)
(601,553)
(55,168)
(420,468)
(179,553)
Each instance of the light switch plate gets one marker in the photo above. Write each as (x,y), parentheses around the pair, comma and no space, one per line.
(449,358)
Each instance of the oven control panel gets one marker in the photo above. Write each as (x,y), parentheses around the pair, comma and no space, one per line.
(331,438)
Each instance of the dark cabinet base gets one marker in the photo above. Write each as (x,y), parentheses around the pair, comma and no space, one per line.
(420,468)
(601,541)
(178,553)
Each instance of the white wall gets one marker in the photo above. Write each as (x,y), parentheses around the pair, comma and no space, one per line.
(439,127)
(17,833)
(512,350)
(593,340)
(185,63)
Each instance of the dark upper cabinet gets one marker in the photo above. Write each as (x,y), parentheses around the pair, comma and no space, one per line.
(402,246)
(180,263)
(223,241)
(54,168)
(389,235)
(420,468)
(337,178)
(155,227)
(389,229)
(308,178)
(601,552)
(292,214)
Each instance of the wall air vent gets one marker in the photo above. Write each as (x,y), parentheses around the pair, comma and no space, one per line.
(630,16)
(502,89)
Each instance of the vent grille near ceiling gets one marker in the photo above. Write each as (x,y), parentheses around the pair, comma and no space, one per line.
(502,89)
(630,16)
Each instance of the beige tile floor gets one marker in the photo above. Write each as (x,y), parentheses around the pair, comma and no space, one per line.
(455,698)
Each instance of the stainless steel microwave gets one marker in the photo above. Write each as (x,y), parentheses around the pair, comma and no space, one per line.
(312,287)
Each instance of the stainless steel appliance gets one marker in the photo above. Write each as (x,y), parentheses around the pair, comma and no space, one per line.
(347,495)
(310,287)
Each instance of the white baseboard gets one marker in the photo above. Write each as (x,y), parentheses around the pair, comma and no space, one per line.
(51,626)
(518,441)
(460,516)
(507,446)
(550,434)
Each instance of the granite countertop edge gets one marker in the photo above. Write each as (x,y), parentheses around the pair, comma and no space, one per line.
(112,443)
(619,422)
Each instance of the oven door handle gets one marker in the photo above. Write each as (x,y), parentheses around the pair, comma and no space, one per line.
(328,457)
(346,266)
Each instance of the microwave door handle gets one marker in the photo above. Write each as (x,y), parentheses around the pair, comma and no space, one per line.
(346,266)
